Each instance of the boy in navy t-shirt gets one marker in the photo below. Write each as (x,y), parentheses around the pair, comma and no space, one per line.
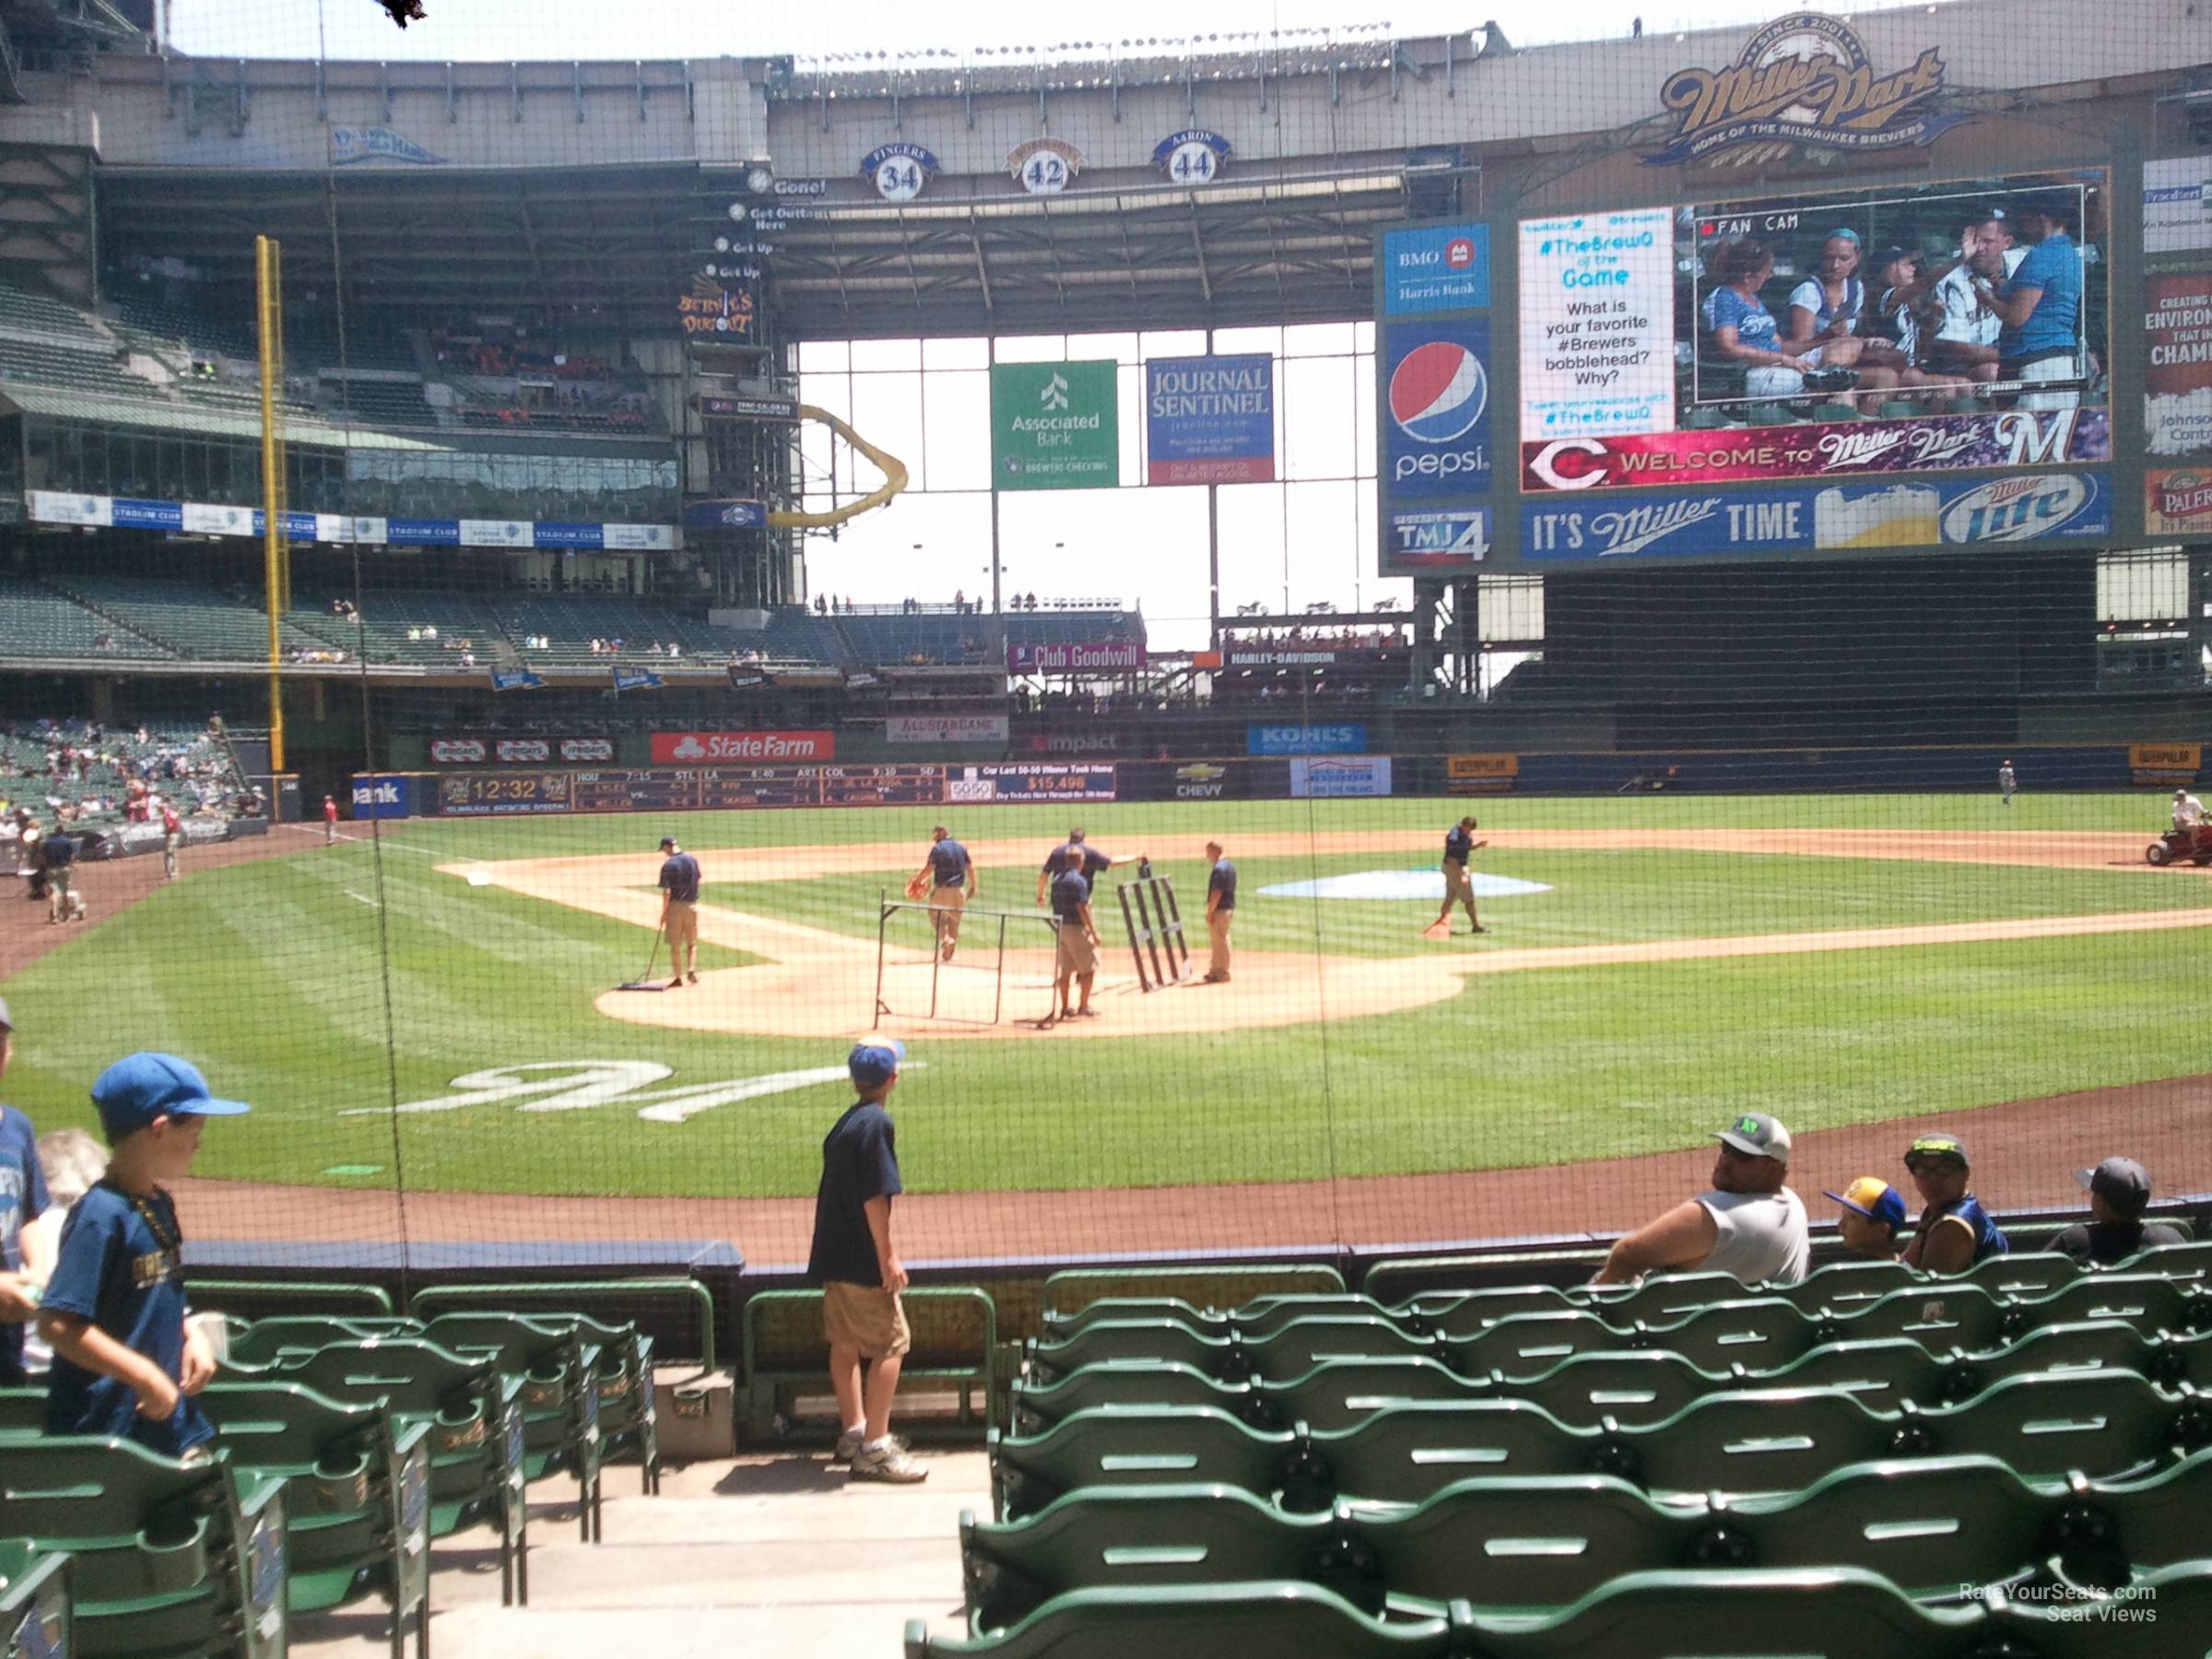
(25,1245)
(858,1267)
(124,1362)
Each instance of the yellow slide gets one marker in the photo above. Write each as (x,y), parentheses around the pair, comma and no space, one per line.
(892,468)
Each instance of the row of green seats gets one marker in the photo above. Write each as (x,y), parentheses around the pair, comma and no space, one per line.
(1933,1526)
(2108,1424)
(1836,1287)
(1834,1612)
(1759,1333)
(169,1559)
(1631,1386)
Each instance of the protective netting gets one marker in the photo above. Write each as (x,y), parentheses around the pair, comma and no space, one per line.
(1751,470)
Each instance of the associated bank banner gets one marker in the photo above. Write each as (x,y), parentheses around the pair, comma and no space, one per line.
(1325,779)
(200,518)
(944,728)
(1350,738)
(383,796)
(1209,420)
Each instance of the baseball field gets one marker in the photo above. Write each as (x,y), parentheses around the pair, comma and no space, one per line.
(434,1013)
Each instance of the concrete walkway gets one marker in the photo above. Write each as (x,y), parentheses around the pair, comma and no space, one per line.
(774,1554)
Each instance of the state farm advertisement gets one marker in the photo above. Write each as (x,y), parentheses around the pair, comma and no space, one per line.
(2180,503)
(1840,449)
(689,748)
(2177,364)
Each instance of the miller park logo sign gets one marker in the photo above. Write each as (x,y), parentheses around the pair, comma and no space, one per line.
(1802,81)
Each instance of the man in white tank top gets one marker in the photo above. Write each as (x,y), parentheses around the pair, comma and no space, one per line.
(1750,1224)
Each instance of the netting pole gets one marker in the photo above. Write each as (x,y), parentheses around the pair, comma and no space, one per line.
(269,285)
(883,922)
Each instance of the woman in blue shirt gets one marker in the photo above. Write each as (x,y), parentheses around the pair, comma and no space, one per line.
(2039,306)
(1827,309)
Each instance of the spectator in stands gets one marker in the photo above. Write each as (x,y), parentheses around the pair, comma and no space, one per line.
(856,1263)
(1893,318)
(1965,343)
(2119,1190)
(26,1229)
(1955,1231)
(1741,332)
(126,1363)
(1872,1212)
(1827,309)
(2039,305)
(1750,1224)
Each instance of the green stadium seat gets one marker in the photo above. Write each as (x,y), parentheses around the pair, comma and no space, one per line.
(559,1376)
(1527,1345)
(1073,1288)
(356,1494)
(2178,1262)
(2149,1301)
(1940,1315)
(1843,1286)
(2168,1611)
(1291,1350)
(37,1602)
(262,1344)
(1149,1446)
(2025,1275)
(173,1560)
(1830,1614)
(474,1413)
(1760,1335)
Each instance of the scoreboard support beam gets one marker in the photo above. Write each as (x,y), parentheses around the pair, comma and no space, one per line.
(1447,638)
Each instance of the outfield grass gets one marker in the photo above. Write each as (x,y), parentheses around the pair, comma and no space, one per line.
(335,981)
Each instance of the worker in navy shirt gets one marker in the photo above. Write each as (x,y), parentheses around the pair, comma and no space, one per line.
(1459,887)
(1075,946)
(857,1265)
(57,862)
(948,875)
(2039,306)
(1221,912)
(26,1229)
(679,913)
(126,1363)
(1087,858)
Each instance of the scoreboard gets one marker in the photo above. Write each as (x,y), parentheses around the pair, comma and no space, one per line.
(740,788)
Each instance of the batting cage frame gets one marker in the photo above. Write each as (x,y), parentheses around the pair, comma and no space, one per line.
(887,907)
(1155,924)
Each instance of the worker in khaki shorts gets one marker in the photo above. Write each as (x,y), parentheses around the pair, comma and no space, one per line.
(1221,912)
(1459,886)
(679,913)
(1077,952)
(859,1269)
(948,875)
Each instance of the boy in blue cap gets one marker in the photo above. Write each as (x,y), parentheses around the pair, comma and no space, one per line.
(859,1269)
(1874,1214)
(124,1362)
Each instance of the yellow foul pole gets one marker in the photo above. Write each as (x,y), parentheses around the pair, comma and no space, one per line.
(268,273)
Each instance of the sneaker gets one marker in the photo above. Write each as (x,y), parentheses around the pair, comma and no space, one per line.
(888,1463)
(1478,930)
(690,979)
(849,1442)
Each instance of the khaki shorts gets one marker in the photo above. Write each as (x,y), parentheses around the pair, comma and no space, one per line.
(1076,954)
(866,1317)
(1456,885)
(683,924)
(950,899)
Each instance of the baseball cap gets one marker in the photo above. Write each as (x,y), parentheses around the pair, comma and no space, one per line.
(872,1062)
(1756,1135)
(7,1021)
(1874,1198)
(667,840)
(2123,1183)
(1891,254)
(140,1087)
(1930,1148)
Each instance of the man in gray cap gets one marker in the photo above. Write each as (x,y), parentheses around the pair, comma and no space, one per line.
(679,913)
(2119,1190)
(26,1240)
(1750,1224)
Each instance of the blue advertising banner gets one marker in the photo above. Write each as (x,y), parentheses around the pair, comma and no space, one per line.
(1209,419)
(198,518)
(1436,538)
(383,796)
(636,679)
(2037,507)
(1339,779)
(423,532)
(733,514)
(1436,408)
(1436,268)
(1347,738)
(515,679)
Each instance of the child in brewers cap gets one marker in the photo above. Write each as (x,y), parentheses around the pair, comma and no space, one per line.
(1873,1212)
(126,1363)
(859,1269)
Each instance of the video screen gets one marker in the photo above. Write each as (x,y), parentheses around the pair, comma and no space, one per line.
(1945,326)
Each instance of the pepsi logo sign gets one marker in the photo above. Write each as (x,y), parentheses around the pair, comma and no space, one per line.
(1438,399)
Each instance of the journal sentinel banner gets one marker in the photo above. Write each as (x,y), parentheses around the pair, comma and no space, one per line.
(1209,420)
